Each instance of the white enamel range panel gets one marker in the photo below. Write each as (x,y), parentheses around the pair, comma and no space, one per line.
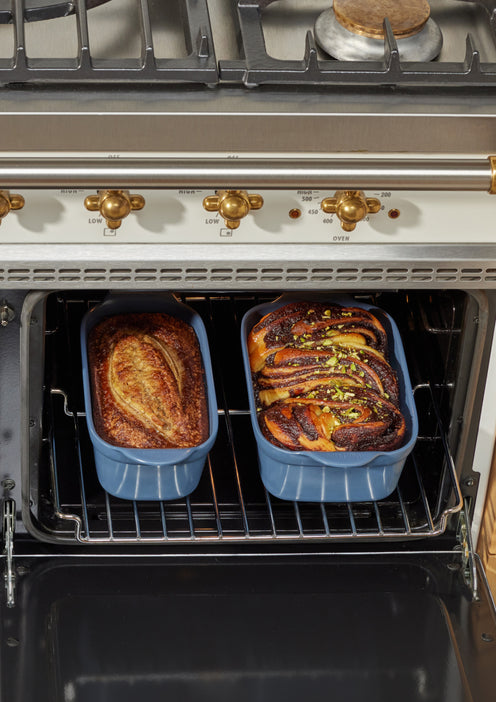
(296,217)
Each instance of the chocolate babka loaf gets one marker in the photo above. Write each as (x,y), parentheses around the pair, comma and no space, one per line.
(322,380)
(147,383)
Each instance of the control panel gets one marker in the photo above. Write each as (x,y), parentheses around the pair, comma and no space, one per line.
(245,217)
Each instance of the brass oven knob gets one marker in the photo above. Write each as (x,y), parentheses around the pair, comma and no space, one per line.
(351,206)
(232,205)
(114,205)
(9,202)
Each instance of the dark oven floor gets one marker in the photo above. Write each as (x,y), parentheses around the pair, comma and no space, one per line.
(230,503)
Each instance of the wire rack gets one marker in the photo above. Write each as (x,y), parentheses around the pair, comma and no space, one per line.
(231,504)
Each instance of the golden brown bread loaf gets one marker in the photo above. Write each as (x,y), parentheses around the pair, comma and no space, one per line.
(322,381)
(147,382)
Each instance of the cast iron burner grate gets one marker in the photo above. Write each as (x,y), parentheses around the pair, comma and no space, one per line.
(38,10)
(199,66)
(231,504)
(257,67)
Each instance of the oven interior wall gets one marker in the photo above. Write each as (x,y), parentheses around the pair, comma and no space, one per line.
(64,502)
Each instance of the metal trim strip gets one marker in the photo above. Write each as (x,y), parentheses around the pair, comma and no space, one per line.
(408,174)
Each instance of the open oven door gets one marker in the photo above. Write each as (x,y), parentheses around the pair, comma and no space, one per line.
(280,628)
(214,610)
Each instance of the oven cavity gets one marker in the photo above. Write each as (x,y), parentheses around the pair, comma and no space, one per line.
(67,503)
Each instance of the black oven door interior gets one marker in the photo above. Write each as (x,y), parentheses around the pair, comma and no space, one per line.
(255,628)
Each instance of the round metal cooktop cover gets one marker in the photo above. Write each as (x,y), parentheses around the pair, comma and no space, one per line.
(366,17)
(35,10)
(352,30)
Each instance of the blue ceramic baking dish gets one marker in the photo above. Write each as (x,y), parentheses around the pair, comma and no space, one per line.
(149,474)
(323,476)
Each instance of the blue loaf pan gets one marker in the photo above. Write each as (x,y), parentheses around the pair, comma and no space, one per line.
(149,474)
(328,476)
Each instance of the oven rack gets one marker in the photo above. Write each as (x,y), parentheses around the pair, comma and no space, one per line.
(230,504)
(109,520)
(199,66)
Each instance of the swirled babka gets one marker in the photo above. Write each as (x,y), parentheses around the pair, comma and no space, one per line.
(322,380)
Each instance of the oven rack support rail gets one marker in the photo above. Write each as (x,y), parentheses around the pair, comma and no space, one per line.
(199,66)
(8,527)
(258,68)
(202,521)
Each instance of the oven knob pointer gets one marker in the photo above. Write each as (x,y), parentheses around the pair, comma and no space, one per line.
(9,202)
(351,207)
(232,205)
(114,205)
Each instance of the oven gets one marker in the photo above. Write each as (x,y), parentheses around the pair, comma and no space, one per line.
(220,151)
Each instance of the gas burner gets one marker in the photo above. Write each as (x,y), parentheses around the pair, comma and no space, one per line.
(353,30)
(36,10)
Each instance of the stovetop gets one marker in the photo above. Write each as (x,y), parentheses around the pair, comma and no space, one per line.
(232,77)
(229,42)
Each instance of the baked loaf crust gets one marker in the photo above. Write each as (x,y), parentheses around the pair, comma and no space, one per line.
(147,382)
(322,381)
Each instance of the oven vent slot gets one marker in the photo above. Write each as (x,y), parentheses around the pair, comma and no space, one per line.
(242,277)
(230,504)
(472,275)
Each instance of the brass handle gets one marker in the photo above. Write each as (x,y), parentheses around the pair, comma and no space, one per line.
(232,205)
(351,207)
(9,202)
(114,205)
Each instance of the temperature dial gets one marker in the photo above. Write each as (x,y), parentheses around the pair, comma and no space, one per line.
(114,205)
(9,202)
(351,207)
(232,205)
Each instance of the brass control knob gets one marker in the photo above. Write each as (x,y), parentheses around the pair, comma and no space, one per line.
(114,205)
(232,205)
(351,206)
(9,202)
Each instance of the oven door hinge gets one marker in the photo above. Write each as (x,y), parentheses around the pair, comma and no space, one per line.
(8,519)
(464,536)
